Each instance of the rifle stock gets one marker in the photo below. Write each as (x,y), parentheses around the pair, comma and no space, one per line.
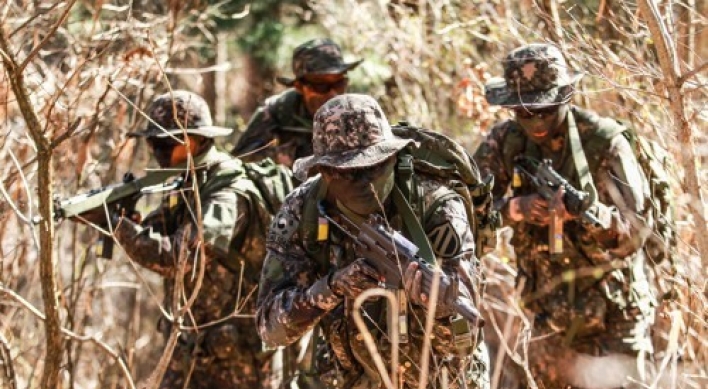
(390,253)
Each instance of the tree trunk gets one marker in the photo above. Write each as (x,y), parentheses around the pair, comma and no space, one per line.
(670,66)
(52,362)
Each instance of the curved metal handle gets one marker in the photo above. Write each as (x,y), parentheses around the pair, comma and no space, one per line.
(391,381)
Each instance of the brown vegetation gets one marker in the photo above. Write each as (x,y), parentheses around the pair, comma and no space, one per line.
(76,73)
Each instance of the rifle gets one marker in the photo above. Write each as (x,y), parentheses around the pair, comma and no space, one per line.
(547,181)
(390,253)
(119,197)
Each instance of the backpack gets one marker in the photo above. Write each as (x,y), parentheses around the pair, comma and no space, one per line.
(265,184)
(656,164)
(443,159)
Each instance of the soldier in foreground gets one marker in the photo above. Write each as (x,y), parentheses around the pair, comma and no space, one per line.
(580,262)
(218,346)
(282,127)
(313,271)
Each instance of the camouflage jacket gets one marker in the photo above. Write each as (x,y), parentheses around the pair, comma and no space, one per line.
(294,296)
(171,230)
(282,118)
(603,267)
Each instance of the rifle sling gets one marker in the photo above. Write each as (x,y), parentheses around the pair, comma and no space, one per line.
(412,224)
(579,161)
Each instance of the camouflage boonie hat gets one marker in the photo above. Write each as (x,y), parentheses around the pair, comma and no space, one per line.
(534,76)
(318,56)
(192,113)
(350,132)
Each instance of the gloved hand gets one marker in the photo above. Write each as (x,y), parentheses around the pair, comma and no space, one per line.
(413,286)
(535,209)
(530,209)
(98,216)
(353,279)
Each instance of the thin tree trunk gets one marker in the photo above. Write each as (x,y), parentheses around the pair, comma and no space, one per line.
(669,62)
(52,363)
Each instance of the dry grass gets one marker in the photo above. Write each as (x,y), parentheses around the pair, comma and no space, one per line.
(438,54)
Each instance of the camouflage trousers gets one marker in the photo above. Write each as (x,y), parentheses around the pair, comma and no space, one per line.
(472,372)
(198,364)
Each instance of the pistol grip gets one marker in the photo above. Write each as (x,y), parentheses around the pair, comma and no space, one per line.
(106,247)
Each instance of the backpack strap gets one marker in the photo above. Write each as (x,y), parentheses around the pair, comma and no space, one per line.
(579,161)
(315,247)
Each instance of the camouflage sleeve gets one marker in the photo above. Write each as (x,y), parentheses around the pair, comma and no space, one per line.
(156,250)
(454,244)
(292,297)
(259,132)
(621,187)
(490,160)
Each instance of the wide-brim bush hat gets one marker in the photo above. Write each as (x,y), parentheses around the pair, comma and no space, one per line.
(350,131)
(317,57)
(177,112)
(535,76)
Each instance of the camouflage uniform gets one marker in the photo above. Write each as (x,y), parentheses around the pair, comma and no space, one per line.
(295,294)
(227,353)
(597,312)
(284,118)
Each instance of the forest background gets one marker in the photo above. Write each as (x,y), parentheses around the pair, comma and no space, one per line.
(76,74)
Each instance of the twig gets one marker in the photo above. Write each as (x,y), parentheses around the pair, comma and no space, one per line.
(47,37)
(6,362)
(682,80)
(71,334)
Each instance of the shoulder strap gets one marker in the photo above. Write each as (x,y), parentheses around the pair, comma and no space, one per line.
(309,225)
(579,161)
(413,226)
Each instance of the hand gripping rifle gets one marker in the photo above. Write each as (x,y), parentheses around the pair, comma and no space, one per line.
(116,197)
(390,253)
(547,181)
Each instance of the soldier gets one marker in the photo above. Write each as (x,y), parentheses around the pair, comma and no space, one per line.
(282,127)
(585,288)
(311,277)
(219,345)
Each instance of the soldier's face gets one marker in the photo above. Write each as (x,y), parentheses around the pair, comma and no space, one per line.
(170,152)
(541,124)
(361,190)
(318,89)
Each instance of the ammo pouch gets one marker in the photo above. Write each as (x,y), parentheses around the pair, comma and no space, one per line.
(463,335)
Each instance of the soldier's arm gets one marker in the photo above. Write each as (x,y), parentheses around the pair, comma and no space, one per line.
(157,248)
(292,296)
(490,160)
(621,190)
(453,244)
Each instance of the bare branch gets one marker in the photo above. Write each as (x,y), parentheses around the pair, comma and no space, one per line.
(48,36)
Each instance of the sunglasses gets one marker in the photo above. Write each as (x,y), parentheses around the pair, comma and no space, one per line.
(324,87)
(541,113)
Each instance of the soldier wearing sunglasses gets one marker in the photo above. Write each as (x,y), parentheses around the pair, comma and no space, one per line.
(282,127)
(577,315)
